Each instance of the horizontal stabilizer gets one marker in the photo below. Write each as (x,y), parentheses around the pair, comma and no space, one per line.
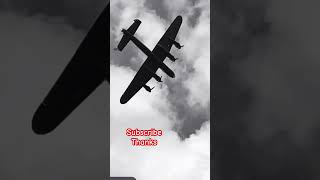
(132,30)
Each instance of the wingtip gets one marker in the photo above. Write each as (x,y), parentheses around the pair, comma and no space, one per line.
(38,128)
(137,20)
(39,125)
(123,100)
(40,131)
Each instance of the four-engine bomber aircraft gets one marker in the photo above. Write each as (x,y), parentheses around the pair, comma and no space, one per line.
(155,57)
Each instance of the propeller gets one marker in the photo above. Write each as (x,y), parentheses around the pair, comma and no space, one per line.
(174,60)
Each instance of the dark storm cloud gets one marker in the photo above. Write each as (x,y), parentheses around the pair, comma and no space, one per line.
(265,89)
(80,14)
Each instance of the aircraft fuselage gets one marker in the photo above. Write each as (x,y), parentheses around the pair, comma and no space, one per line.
(138,43)
(149,53)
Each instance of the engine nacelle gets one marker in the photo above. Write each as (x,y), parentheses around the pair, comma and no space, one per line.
(175,43)
(165,69)
(168,54)
(147,88)
(154,75)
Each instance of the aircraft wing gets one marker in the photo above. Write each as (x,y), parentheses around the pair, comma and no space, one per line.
(165,41)
(150,65)
(88,68)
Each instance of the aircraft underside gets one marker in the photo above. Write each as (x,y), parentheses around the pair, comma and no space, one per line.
(155,57)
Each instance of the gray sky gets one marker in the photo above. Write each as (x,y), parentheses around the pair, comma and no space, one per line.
(265,75)
(36,44)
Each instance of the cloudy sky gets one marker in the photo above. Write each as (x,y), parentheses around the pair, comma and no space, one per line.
(180,107)
(38,39)
(266,89)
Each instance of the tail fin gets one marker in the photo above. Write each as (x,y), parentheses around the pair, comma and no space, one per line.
(132,30)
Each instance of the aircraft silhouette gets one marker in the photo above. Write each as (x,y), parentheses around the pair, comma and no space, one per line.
(88,68)
(155,57)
